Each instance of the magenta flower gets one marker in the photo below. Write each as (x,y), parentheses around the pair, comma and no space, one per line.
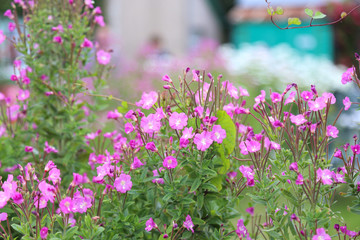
(54,175)
(128,128)
(243,148)
(4,198)
(231,89)
(47,190)
(317,105)
(86,43)
(2,37)
(23,95)
(103,57)
(150,124)
(178,120)
(80,204)
(203,140)
(170,162)
(44,233)
(147,100)
(299,180)
(156,174)
(325,176)
(49,166)
(11,26)
(347,75)
(3,216)
(293,167)
(355,149)
(58,39)
(17,198)
(347,103)
(338,153)
(218,134)
(66,205)
(298,119)
(114,114)
(241,230)
(250,210)
(150,224)
(339,178)
(332,131)
(188,224)
(9,14)
(321,235)
(99,20)
(123,183)
(253,146)
(151,146)
(329,96)
(41,202)
(166,78)
(9,185)
(49,149)
(136,163)
(187,133)
(275,97)
(246,171)
(291,98)
(243,92)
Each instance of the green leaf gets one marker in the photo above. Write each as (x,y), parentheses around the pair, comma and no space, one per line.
(270,11)
(217,182)
(309,12)
(195,185)
(279,11)
(18,228)
(187,201)
(319,15)
(294,21)
(290,197)
(226,123)
(210,187)
(70,233)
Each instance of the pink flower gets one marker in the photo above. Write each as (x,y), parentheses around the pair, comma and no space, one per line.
(150,124)
(114,114)
(298,119)
(347,76)
(89,3)
(275,97)
(253,146)
(28,149)
(58,28)
(166,78)
(128,128)
(49,166)
(97,10)
(23,94)
(41,202)
(151,146)
(321,235)
(325,176)
(49,149)
(2,37)
(188,224)
(250,210)
(86,43)
(293,167)
(4,198)
(17,198)
(66,205)
(3,216)
(150,224)
(187,133)
(103,57)
(99,20)
(246,171)
(123,183)
(241,230)
(332,131)
(347,103)
(155,174)
(54,175)
(291,98)
(299,180)
(47,190)
(203,140)
(11,26)
(136,163)
(317,105)
(329,96)
(231,89)
(147,100)
(339,178)
(80,204)
(58,39)
(9,14)
(218,134)
(9,185)
(355,149)
(44,233)
(178,120)
(170,162)
(243,92)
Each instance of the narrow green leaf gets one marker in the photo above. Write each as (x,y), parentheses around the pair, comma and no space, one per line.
(319,15)
(195,185)
(279,11)
(309,12)
(270,11)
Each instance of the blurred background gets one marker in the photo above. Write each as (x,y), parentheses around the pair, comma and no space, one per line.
(235,38)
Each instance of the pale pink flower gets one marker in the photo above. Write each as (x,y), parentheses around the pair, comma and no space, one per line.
(47,190)
(128,128)
(307,95)
(136,163)
(218,134)
(103,57)
(241,230)
(329,96)
(66,205)
(325,176)
(170,162)
(321,235)
(123,183)
(188,224)
(347,103)
(11,26)
(203,140)
(231,89)
(147,100)
(275,97)
(253,146)
(332,131)
(80,204)
(23,94)
(243,92)
(178,121)
(188,133)
(54,175)
(156,174)
(150,124)
(49,149)
(298,119)
(299,180)
(291,98)
(150,224)
(347,75)
(317,105)
(4,198)
(114,114)
(3,216)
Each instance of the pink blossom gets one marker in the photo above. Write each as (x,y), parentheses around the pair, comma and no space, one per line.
(229,109)
(147,100)
(9,185)
(347,75)
(203,140)
(49,149)
(79,179)
(28,149)
(293,167)
(155,174)
(291,98)
(12,112)
(114,114)
(328,96)
(4,198)
(123,183)
(253,146)
(321,235)
(44,232)
(355,149)
(231,89)
(150,124)
(332,131)
(86,43)
(9,14)
(99,20)
(338,153)
(89,3)
(246,171)
(47,190)
(170,162)
(128,128)
(40,202)
(347,103)
(243,92)
(166,78)
(299,180)
(243,148)
(150,224)
(136,163)
(58,28)
(97,10)
(151,146)
(241,230)
(298,119)
(23,94)
(218,134)
(250,210)
(13,77)
(54,175)
(66,205)
(339,178)
(178,121)
(188,224)
(103,57)
(11,26)
(317,105)
(3,216)
(2,37)
(58,39)
(49,166)
(17,198)
(275,97)
(80,204)
(188,133)
(325,176)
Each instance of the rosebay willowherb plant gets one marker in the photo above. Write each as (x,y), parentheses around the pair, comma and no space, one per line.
(180,162)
